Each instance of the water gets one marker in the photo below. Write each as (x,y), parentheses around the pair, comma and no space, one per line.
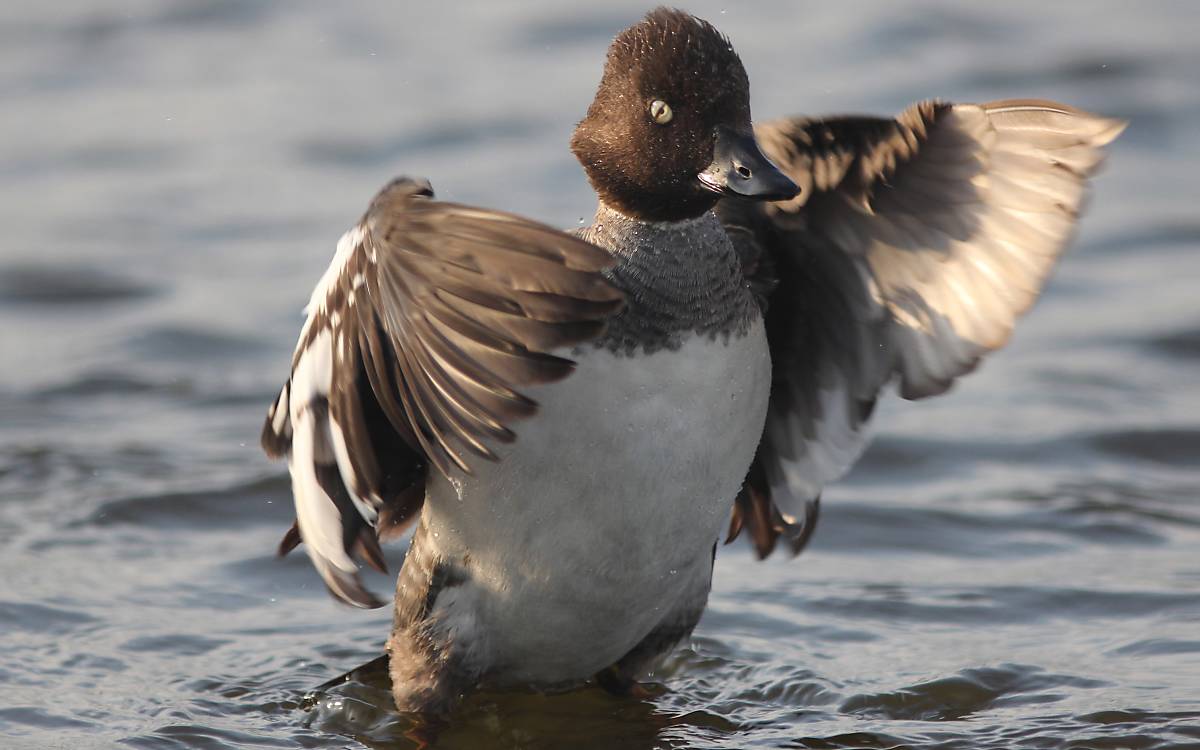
(1014,565)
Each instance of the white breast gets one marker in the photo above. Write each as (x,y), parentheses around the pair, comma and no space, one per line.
(608,503)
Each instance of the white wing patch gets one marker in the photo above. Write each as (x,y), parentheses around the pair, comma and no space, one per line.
(318,518)
(313,373)
(367,507)
(349,242)
(317,443)
(279,412)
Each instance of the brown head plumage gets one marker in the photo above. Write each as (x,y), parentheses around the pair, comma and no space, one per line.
(645,168)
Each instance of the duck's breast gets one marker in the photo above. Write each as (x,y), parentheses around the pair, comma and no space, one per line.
(607,505)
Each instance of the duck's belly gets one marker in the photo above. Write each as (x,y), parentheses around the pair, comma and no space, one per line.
(605,509)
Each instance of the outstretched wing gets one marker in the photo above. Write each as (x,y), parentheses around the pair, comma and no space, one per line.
(912,248)
(430,319)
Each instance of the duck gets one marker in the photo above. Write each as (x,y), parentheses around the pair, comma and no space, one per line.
(570,421)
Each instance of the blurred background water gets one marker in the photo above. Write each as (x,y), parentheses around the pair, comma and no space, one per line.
(1016,564)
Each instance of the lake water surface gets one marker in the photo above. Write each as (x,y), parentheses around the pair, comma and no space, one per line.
(1014,565)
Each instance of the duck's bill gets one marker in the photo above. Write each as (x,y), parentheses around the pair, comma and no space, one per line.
(739,167)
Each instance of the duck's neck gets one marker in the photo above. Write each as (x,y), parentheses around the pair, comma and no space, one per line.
(679,277)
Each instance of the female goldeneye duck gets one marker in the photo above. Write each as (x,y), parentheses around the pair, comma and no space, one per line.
(570,419)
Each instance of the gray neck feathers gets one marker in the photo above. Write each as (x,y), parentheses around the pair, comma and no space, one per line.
(679,278)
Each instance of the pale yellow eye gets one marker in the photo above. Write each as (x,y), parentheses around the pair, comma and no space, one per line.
(660,112)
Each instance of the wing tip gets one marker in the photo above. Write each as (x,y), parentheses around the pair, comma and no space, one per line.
(346,586)
(800,534)
(275,438)
(756,512)
(1098,130)
(1113,127)
(273,444)
(291,540)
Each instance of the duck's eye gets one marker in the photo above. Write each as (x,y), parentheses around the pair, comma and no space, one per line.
(660,112)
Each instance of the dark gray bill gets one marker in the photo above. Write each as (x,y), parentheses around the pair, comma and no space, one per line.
(739,167)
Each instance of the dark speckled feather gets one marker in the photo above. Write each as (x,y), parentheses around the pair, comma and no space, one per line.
(678,278)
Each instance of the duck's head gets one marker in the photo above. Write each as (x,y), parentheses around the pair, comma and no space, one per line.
(669,130)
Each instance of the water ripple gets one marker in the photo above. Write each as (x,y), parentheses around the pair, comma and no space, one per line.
(967,693)
(41,618)
(229,507)
(73,285)
(1012,565)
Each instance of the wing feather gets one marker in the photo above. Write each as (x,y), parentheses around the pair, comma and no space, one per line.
(419,337)
(911,250)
